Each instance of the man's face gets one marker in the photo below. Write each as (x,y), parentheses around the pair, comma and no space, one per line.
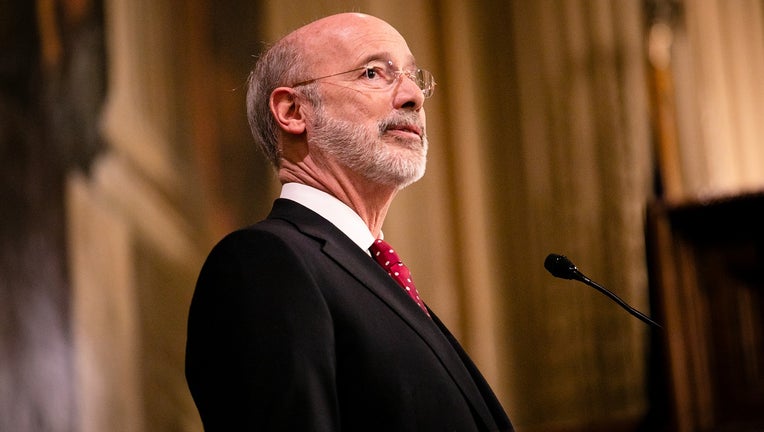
(376,131)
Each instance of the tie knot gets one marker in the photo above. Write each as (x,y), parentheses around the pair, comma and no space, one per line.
(384,254)
(386,257)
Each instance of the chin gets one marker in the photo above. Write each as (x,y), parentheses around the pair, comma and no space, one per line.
(401,174)
(409,166)
(408,182)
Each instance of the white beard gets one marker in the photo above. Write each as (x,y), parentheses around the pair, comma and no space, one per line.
(366,154)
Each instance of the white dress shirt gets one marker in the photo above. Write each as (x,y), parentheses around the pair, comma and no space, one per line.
(333,210)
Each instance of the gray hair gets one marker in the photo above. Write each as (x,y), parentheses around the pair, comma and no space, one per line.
(280,65)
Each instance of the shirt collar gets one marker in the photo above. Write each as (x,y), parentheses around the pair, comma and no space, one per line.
(331,209)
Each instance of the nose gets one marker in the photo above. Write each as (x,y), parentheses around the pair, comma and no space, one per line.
(407,95)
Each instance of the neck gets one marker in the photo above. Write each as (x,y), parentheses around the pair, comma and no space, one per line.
(370,201)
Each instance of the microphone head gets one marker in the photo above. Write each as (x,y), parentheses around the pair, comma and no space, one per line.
(560,266)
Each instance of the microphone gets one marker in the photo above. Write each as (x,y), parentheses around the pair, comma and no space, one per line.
(561,267)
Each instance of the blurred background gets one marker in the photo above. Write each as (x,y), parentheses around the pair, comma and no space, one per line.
(625,134)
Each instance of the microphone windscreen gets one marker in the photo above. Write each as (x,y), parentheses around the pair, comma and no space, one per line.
(560,266)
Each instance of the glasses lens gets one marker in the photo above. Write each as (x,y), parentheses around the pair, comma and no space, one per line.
(425,82)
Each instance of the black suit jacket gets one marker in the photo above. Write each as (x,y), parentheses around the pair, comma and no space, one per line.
(293,327)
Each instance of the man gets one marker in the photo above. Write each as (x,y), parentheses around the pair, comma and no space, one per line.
(293,325)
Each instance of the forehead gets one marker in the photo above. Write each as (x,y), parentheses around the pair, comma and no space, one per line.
(348,40)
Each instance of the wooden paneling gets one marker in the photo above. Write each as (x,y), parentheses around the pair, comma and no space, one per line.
(707,263)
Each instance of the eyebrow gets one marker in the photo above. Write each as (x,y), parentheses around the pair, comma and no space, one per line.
(386,56)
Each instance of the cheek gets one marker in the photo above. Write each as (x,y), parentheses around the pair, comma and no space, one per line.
(356,105)
(361,117)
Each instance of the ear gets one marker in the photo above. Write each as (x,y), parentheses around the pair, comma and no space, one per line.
(285,107)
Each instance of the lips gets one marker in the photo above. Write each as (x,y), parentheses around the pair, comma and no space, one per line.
(408,128)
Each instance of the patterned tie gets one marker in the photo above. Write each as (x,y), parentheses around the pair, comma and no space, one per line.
(384,254)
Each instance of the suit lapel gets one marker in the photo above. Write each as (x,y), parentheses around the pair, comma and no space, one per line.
(348,256)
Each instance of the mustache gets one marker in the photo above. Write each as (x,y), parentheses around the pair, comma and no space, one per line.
(408,121)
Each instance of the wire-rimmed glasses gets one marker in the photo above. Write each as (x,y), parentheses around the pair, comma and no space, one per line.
(380,75)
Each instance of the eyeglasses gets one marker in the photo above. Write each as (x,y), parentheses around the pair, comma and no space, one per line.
(380,75)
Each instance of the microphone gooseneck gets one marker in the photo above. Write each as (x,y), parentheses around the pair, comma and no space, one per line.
(561,267)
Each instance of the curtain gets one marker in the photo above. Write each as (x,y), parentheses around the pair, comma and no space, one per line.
(717,61)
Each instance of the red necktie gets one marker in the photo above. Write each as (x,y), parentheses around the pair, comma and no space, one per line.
(384,254)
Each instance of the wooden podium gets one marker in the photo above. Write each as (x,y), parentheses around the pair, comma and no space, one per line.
(706,263)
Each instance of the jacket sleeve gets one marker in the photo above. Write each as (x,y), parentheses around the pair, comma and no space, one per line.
(260,348)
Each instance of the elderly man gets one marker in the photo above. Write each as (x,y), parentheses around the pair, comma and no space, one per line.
(308,321)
